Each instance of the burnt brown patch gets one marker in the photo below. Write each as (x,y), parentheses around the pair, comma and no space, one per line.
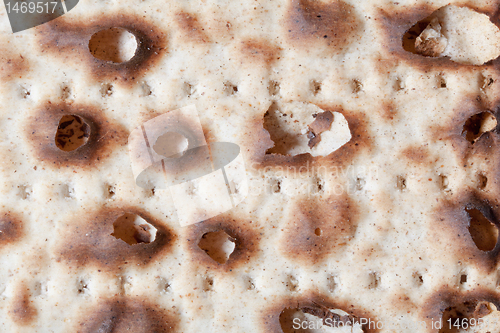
(22,311)
(417,154)
(456,225)
(260,51)
(334,24)
(322,122)
(105,135)
(69,40)
(274,317)
(12,65)
(11,229)
(448,303)
(337,219)
(127,315)
(388,111)
(397,23)
(190,28)
(88,241)
(241,232)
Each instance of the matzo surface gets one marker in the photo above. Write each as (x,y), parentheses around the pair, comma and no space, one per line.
(377,228)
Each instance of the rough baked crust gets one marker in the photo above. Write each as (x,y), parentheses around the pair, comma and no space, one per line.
(397,225)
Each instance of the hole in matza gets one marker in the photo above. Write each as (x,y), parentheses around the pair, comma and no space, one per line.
(189,89)
(24,92)
(399,84)
(208,283)
(463,278)
(444,183)
(441,81)
(106,89)
(477,125)
(230,89)
(171,144)
(318,185)
(482,181)
(248,283)
(469,317)
(82,286)
(359,184)
(25,191)
(291,283)
(356,86)
(275,185)
(332,282)
(457,32)
(317,318)
(318,231)
(273,88)
(401,183)
(485,82)
(113,44)
(72,133)
(133,229)
(110,191)
(373,280)
(40,289)
(418,279)
(67,191)
(163,285)
(146,89)
(218,245)
(315,87)
(484,233)
(303,128)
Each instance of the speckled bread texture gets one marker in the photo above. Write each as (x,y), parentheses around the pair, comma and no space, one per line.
(377,228)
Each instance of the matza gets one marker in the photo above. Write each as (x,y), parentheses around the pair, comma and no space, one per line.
(369,196)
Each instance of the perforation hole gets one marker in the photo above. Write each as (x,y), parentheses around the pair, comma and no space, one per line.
(477,125)
(485,82)
(291,283)
(401,183)
(218,245)
(444,183)
(133,229)
(356,86)
(208,283)
(110,191)
(249,283)
(189,89)
(24,93)
(275,185)
(315,87)
(72,133)
(332,283)
(373,280)
(230,89)
(318,232)
(484,233)
(82,287)
(163,285)
(359,184)
(114,44)
(106,89)
(463,279)
(146,89)
(67,191)
(41,288)
(274,88)
(399,84)
(418,279)
(319,184)
(24,191)
(482,181)
(441,81)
